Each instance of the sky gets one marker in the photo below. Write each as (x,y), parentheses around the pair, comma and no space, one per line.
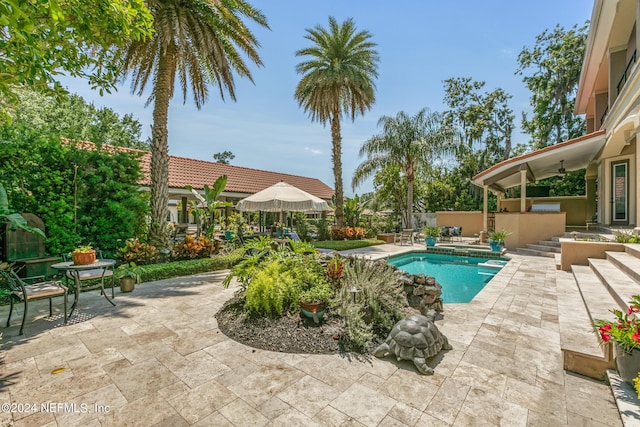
(421,43)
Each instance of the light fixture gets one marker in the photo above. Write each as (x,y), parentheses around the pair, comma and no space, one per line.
(562,171)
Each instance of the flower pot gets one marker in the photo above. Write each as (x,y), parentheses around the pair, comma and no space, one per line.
(431,241)
(314,310)
(627,364)
(84,258)
(496,246)
(127,284)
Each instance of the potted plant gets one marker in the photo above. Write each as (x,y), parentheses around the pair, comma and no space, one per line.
(431,235)
(624,332)
(83,255)
(314,301)
(497,238)
(129,275)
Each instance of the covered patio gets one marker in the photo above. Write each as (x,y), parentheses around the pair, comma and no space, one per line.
(531,217)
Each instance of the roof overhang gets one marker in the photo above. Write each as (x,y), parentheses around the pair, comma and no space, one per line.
(577,153)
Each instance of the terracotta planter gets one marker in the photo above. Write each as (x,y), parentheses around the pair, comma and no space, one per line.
(127,284)
(84,258)
(627,364)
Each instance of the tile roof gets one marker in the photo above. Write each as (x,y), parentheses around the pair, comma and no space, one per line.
(184,171)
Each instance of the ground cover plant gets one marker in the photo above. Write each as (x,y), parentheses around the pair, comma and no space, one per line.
(343,245)
(365,299)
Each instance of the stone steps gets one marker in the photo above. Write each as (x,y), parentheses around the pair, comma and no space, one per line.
(620,286)
(535,252)
(626,262)
(544,248)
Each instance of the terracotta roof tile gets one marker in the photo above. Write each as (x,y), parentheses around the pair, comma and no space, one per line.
(196,173)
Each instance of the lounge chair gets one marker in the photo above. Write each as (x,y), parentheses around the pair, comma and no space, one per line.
(404,237)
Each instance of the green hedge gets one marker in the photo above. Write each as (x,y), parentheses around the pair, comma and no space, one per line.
(343,245)
(168,270)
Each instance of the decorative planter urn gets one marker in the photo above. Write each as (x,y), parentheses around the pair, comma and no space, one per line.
(627,364)
(430,241)
(314,310)
(84,258)
(127,284)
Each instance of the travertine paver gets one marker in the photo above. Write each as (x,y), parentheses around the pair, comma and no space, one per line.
(158,358)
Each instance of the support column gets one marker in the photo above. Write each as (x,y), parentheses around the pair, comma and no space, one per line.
(185,217)
(523,190)
(485,212)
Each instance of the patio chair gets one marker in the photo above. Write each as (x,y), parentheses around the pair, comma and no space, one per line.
(20,290)
(94,273)
(404,237)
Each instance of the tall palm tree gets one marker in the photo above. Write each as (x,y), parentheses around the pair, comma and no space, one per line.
(201,41)
(337,79)
(407,142)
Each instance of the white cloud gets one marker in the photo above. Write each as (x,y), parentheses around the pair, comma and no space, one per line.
(313,150)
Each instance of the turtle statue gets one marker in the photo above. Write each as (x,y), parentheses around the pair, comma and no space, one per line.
(415,338)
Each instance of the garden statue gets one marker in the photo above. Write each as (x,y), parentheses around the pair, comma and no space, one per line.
(415,338)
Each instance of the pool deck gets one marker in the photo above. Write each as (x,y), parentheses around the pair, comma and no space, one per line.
(159,359)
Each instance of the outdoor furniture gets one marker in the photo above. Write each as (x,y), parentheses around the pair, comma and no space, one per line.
(93,273)
(97,270)
(404,237)
(21,290)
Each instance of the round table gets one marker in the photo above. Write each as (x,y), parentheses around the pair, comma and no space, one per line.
(74,270)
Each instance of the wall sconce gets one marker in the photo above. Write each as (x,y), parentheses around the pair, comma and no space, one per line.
(562,171)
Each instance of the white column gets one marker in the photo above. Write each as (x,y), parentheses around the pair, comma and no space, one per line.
(523,190)
(485,208)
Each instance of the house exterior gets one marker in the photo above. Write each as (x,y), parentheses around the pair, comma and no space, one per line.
(609,98)
(241,181)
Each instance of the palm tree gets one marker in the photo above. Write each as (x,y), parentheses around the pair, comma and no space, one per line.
(407,142)
(201,41)
(338,79)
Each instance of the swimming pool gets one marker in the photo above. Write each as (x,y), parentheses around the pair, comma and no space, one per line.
(460,277)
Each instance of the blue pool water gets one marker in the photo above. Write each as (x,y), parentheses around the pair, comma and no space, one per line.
(460,277)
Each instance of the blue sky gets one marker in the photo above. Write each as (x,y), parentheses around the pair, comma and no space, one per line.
(420,43)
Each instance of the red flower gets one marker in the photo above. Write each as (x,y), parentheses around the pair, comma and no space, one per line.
(605,328)
(636,336)
(632,309)
(605,337)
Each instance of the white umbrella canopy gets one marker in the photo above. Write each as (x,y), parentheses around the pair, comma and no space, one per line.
(282,197)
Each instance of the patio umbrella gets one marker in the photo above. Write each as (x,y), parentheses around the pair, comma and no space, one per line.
(282,197)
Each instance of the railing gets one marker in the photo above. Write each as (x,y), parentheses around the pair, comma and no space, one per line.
(624,77)
(604,116)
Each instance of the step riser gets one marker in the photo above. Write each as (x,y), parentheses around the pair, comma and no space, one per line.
(544,248)
(525,251)
(635,275)
(633,250)
(622,301)
(549,243)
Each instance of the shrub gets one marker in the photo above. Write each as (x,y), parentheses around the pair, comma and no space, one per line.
(138,253)
(189,267)
(273,289)
(377,305)
(193,248)
(626,237)
(350,233)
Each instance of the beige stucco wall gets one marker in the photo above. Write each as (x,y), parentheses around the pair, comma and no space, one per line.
(471,222)
(530,227)
(578,252)
(574,206)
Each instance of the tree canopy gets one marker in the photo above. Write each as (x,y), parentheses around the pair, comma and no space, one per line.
(40,40)
(338,77)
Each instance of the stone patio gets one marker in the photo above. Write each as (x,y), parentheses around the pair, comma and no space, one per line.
(159,359)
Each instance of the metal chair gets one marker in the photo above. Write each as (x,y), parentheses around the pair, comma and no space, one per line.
(22,291)
(94,273)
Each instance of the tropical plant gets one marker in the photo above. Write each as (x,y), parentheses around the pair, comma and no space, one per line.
(625,329)
(626,237)
(407,142)
(15,220)
(499,236)
(205,211)
(317,294)
(130,270)
(337,79)
(200,41)
(137,252)
(353,208)
(432,232)
(83,249)
(194,247)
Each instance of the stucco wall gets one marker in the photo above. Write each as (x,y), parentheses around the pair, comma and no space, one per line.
(530,227)
(471,222)
(575,207)
(578,252)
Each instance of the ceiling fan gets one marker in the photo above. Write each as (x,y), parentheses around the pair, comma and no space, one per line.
(561,170)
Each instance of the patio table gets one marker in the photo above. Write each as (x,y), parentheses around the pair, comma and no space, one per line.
(75,269)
